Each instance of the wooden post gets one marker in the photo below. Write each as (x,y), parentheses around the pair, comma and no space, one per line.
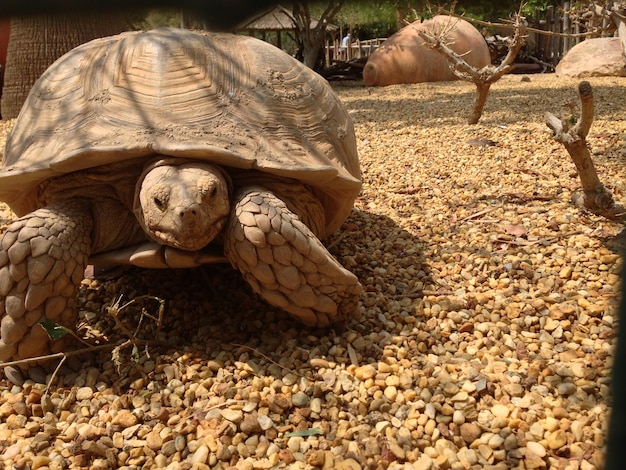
(567,27)
(327,54)
(549,18)
(557,26)
(605,26)
(533,38)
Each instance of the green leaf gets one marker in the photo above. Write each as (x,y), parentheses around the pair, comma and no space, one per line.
(54,330)
(305,433)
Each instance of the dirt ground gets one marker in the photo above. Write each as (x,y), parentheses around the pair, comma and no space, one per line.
(488,317)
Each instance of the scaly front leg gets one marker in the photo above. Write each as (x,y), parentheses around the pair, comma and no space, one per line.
(285,263)
(43,256)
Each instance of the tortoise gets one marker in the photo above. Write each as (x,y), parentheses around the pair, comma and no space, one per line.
(171,149)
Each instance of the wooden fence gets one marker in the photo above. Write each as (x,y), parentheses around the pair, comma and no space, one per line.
(558,22)
(357,50)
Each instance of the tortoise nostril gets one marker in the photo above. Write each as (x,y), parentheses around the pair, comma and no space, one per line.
(187,213)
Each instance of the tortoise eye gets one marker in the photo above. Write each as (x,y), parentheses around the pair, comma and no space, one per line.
(208,193)
(159,203)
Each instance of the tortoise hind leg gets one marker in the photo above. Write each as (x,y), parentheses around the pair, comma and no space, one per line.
(42,259)
(285,263)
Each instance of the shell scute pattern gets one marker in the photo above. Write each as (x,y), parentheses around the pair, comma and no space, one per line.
(291,125)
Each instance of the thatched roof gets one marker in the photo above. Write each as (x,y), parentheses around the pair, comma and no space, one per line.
(277,19)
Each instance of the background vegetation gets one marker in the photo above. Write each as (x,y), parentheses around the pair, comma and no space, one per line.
(378,18)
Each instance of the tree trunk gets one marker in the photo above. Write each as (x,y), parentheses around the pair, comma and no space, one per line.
(36,42)
(482,92)
(311,49)
(310,37)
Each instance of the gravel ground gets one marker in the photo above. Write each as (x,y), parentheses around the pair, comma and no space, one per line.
(488,323)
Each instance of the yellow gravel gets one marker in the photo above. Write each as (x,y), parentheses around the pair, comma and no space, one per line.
(489,313)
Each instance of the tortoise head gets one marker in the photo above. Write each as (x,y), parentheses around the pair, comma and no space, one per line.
(182,203)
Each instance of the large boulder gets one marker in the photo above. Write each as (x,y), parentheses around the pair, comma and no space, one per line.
(404,58)
(597,57)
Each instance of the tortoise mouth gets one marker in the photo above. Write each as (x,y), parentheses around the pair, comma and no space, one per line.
(190,239)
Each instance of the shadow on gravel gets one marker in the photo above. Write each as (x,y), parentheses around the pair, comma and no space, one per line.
(211,316)
(432,106)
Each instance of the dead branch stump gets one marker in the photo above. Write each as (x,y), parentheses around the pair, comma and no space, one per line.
(594,197)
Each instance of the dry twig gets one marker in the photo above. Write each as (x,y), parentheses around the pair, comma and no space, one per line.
(269,359)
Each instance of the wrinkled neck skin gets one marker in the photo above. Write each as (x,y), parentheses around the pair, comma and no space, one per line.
(182,203)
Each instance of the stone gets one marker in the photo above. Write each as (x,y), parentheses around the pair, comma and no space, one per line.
(405,58)
(424,463)
(200,455)
(294,443)
(595,57)
(470,432)
(250,424)
(499,410)
(347,464)
(84,393)
(265,422)
(536,449)
(557,439)
(154,440)
(300,399)
(458,417)
(234,416)
(365,372)
(566,388)
(124,418)
(316,458)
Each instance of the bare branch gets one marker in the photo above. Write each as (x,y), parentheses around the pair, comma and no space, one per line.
(311,38)
(61,355)
(595,197)
(586,115)
(509,25)
(331,10)
(485,77)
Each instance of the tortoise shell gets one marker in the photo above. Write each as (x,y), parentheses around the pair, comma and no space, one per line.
(231,100)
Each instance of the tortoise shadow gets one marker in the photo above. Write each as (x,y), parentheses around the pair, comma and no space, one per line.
(453,106)
(211,315)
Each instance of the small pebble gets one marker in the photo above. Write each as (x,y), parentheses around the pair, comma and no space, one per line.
(536,449)
(234,416)
(300,399)
(470,432)
(84,393)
